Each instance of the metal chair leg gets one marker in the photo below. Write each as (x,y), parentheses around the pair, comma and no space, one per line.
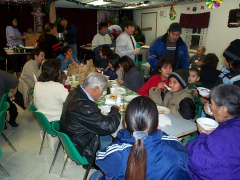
(6,139)
(55,156)
(9,124)
(64,166)
(3,170)
(42,142)
(87,171)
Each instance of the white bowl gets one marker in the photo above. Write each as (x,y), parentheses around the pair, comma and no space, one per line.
(130,97)
(163,110)
(120,90)
(107,77)
(105,109)
(9,50)
(207,123)
(112,81)
(203,91)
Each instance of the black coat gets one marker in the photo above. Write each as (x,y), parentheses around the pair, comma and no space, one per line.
(83,122)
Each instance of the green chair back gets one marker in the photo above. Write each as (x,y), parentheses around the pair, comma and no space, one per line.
(0,152)
(6,105)
(42,120)
(68,145)
(3,100)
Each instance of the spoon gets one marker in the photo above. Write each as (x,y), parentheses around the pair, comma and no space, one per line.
(168,88)
(209,111)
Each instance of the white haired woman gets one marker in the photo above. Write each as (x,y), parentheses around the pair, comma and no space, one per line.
(215,154)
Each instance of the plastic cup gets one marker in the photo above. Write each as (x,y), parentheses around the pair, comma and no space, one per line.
(112,90)
(73,78)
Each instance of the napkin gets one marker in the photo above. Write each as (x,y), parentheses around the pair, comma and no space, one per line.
(164,120)
(109,101)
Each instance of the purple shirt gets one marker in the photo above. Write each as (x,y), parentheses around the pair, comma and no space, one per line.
(10,32)
(216,156)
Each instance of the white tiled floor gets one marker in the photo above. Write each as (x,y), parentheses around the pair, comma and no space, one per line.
(26,163)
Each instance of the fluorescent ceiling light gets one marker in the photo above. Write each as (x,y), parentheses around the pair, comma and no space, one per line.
(98,3)
(129,7)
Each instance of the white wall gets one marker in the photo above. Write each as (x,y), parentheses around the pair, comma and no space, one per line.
(219,35)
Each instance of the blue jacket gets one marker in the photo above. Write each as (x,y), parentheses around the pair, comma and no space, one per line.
(228,77)
(166,157)
(65,65)
(71,36)
(109,72)
(159,48)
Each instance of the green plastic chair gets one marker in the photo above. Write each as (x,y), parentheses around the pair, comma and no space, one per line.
(2,169)
(70,149)
(2,123)
(44,124)
(3,100)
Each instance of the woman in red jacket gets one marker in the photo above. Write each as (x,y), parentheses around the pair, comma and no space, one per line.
(165,69)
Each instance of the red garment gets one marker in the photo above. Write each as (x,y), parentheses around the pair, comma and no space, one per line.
(152,82)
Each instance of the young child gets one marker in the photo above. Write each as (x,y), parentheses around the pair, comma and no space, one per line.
(113,70)
(179,100)
(165,69)
(63,78)
(193,83)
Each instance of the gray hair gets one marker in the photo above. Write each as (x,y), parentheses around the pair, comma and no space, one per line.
(203,48)
(95,79)
(229,96)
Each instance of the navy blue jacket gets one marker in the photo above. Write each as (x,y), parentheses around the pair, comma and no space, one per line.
(159,49)
(167,158)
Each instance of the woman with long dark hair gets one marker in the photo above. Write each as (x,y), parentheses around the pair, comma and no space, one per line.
(14,37)
(142,151)
(132,77)
(48,42)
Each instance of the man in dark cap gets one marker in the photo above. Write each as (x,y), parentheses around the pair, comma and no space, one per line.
(231,75)
(169,45)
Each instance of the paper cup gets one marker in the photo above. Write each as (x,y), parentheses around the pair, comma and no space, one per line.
(112,90)
(73,78)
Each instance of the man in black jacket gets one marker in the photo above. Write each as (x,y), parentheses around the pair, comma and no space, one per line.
(83,121)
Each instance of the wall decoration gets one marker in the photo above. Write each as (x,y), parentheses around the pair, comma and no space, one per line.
(234,18)
(202,7)
(194,8)
(188,8)
(213,3)
(172,13)
(38,22)
(25,2)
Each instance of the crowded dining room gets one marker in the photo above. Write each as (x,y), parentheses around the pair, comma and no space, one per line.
(120,89)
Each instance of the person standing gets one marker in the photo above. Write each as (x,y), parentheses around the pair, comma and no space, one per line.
(99,40)
(126,44)
(48,42)
(169,45)
(139,36)
(70,32)
(14,37)
(197,60)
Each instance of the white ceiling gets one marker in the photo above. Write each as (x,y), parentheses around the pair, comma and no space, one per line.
(121,3)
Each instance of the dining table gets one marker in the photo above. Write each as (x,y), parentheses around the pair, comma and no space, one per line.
(178,127)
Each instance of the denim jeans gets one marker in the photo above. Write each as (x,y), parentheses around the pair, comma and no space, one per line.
(98,175)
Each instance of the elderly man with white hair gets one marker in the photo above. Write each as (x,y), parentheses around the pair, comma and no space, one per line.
(83,121)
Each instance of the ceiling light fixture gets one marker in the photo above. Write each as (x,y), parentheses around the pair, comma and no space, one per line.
(98,3)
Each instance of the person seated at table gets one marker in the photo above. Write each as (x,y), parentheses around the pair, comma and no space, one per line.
(132,78)
(113,37)
(142,151)
(49,94)
(7,82)
(48,42)
(67,57)
(178,99)
(113,70)
(231,75)
(104,53)
(197,60)
(214,154)
(193,83)
(33,67)
(83,121)
(139,36)
(99,40)
(161,79)
(209,72)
